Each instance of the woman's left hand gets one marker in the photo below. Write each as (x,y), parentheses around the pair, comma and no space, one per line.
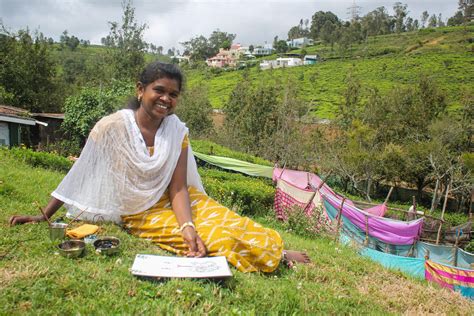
(194,242)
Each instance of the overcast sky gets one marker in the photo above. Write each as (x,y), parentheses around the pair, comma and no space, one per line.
(173,21)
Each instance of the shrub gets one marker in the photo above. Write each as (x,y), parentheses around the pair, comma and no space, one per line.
(298,222)
(42,159)
(243,194)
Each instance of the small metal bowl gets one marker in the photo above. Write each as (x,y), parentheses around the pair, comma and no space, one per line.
(72,248)
(107,245)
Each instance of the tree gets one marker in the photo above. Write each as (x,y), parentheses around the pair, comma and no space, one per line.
(327,32)
(281,47)
(433,22)
(196,110)
(319,19)
(376,22)
(28,72)
(83,110)
(226,45)
(400,15)
(251,48)
(467,8)
(424,18)
(126,45)
(409,24)
(201,48)
(456,19)
(220,39)
(440,21)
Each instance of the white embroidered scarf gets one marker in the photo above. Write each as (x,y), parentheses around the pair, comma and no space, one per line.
(115,174)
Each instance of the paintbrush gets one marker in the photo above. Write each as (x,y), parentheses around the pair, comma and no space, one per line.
(42,212)
(80,213)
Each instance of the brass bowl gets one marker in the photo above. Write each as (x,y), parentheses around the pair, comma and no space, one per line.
(107,245)
(72,248)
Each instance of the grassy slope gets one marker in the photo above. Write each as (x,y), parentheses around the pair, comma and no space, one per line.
(34,279)
(389,60)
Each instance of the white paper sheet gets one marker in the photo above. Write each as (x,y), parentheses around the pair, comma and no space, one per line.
(180,267)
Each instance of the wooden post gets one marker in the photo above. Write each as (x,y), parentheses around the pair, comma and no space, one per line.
(317,190)
(442,214)
(455,257)
(434,196)
(339,216)
(388,195)
(282,170)
(366,242)
(414,206)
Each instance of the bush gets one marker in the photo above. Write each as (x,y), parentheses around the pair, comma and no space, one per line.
(42,159)
(298,222)
(245,195)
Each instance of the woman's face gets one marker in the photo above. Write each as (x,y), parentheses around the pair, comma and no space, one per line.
(159,98)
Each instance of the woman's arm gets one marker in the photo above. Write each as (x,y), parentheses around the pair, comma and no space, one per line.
(53,205)
(179,197)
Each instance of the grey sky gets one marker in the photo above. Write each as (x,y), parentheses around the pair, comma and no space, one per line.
(174,21)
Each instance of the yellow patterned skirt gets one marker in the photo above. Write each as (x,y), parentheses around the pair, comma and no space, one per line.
(247,245)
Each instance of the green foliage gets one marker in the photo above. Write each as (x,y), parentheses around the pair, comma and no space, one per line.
(126,45)
(248,196)
(39,159)
(308,225)
(83,110)
(28,74)
(195,110)
(319,19)
(281,47)
(263,120)
(200,48)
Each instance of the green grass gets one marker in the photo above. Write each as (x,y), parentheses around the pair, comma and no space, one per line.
(34,279)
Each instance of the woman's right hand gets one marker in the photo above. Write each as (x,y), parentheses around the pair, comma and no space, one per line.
(23,219)
(195,244)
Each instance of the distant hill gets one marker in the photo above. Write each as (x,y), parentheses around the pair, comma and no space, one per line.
(446,53)
(384,61)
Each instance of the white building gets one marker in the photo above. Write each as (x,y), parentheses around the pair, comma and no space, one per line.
(300,42)
(281,63)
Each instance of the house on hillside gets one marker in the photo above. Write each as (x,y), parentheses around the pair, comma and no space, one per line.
(310,59)
(264,50)
(225,58)
(281,62)
(13,121)
(300,42)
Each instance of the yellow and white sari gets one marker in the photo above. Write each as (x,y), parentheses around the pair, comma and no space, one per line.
(117,178)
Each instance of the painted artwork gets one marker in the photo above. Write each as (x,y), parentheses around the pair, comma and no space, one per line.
(180,267)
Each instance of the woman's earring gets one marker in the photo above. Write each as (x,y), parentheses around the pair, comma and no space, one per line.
(140,99)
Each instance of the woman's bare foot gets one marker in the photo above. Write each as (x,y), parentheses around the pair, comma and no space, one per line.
(292,256)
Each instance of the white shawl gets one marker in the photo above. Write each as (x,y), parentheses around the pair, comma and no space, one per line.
(115,174)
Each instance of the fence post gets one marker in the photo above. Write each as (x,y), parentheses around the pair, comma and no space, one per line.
(339,216)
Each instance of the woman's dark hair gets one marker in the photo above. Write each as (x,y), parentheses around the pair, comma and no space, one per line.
(154,71)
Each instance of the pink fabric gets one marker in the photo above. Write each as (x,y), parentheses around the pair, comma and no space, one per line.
(284,201)
(300,180)
(378,210)
(387,230)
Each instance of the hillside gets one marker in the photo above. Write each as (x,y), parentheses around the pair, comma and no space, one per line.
(35,279)
(382,62)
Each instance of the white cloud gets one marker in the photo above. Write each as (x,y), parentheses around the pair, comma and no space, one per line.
(171,21)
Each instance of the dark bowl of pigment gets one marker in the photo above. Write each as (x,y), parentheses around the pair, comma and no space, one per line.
(107,245)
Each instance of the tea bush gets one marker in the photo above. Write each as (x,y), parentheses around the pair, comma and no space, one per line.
(41,159)
(245,195)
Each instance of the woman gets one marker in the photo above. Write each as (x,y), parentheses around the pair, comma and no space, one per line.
(137,169)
